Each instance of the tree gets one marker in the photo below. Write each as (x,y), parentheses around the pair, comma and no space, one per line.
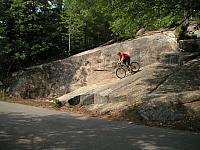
(30,32)
(128,16)
(86,26)
(37,31)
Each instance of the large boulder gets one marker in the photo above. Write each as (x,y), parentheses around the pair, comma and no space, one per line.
(87,68)
(168,90)
(165,89)
(162,91)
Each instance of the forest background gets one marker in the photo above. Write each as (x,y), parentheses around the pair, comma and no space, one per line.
(33,32)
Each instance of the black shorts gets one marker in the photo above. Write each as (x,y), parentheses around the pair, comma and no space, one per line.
(126,61)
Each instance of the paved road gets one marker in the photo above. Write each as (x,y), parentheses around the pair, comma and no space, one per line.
(25,127)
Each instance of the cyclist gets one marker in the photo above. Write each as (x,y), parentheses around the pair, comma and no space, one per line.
(124,58)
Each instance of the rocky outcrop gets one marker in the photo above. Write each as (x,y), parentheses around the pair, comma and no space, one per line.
(87,68)
(162,91)
(176,97)
(165,89)
(190,45)
(140,32)
(193,30)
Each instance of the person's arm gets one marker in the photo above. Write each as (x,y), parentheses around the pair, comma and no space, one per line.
(120,60)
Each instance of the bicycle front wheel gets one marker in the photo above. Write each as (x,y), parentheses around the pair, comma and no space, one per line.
(120,73)
(135,67)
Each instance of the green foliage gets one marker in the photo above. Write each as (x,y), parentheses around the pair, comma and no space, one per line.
(196,17)
(178,31)
(32,32)
(56,102)
(86,26)
(128,16)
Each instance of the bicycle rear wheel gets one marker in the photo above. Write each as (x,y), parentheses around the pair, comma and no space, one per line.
(120,73)
(135,67)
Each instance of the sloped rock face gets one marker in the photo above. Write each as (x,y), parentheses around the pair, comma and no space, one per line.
(87,68)
(164,91)
(130,89)
(167,87)
(177,97)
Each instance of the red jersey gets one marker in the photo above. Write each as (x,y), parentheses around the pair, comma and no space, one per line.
(124,55)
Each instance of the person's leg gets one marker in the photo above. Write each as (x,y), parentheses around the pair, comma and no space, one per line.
(124,61)
(128,63)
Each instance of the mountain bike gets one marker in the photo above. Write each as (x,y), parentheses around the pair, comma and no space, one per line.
(122,69)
